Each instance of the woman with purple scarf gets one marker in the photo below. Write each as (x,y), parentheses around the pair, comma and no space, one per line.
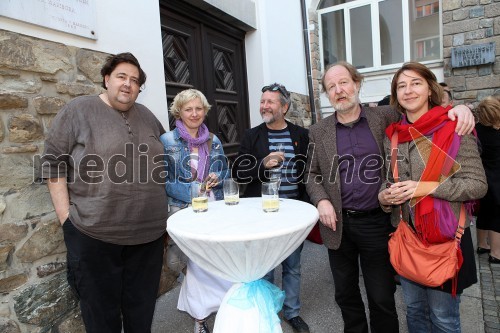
(438,172)
(194,154)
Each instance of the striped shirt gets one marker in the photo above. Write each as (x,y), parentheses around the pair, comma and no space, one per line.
(289,179)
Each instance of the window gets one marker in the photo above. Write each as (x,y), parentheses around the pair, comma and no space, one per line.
(426,10)
(426,48)
(379,34)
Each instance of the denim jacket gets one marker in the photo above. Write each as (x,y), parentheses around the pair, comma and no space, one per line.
(179,175)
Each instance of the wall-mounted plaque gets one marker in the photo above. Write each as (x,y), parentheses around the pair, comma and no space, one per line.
(473,55)
(72,16)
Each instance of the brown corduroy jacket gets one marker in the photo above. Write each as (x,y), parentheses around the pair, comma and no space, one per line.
(323,164)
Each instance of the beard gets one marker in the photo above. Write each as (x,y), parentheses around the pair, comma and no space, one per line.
(346,105)
(268,118)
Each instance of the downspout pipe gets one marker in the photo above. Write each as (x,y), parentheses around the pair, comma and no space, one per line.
(305,31)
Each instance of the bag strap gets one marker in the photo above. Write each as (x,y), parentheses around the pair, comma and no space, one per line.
(394,156)
(394,165)
(395,173)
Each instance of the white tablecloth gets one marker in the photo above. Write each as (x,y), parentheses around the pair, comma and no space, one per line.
(241,243)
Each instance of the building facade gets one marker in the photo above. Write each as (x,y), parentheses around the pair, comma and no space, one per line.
(378,36)
(229,49)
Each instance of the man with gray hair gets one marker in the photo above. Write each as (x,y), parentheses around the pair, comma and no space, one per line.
(345,172)
(258,160)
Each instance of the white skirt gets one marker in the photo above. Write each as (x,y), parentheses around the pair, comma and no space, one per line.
(201,292)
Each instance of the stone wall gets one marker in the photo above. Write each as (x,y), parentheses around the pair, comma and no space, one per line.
(299,112)
(469,22)
(37,77)
(316,72)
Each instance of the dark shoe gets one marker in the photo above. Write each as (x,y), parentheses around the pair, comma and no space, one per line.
(493,260)
(481,250)
(200,326)
(298,325)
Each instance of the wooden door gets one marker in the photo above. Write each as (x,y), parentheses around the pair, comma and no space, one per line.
(201,52)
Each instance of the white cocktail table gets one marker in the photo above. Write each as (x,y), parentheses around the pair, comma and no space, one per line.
(241,244)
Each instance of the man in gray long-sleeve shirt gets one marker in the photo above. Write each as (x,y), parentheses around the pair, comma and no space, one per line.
(103,161)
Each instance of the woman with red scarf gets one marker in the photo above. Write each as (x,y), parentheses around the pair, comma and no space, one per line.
(438,171)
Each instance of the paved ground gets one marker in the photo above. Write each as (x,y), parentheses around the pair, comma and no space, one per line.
(489,280)
(479,304)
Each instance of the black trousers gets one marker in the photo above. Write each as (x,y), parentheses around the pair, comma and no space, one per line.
(364,243)
(114,283)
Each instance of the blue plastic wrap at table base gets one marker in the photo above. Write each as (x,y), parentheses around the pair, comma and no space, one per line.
(261,294)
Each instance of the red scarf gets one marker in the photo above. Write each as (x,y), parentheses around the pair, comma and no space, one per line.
(432,225)
(434,218)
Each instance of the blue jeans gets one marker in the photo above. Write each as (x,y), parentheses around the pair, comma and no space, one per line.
(290,282)
(430,310)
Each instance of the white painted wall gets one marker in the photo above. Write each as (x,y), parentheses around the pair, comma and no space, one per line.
(121,26)
(275,51)
(243,10)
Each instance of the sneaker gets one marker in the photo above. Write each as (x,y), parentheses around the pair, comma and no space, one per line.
(298,325)
(200,326)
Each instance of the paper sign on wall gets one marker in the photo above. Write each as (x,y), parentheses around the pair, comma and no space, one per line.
(72,16)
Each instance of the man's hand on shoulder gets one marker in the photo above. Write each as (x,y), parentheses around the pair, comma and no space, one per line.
(465,119)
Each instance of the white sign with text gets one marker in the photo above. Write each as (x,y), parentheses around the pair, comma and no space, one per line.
(72,16)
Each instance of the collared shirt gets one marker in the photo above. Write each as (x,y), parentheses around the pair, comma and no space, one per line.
(360,161)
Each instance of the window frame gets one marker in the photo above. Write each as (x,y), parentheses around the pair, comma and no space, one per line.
(431,6)
(375,31)
(416,41)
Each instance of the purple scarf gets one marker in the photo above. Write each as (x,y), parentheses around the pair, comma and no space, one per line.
(199,142)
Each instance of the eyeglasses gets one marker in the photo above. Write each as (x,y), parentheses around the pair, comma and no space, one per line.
(277,87)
